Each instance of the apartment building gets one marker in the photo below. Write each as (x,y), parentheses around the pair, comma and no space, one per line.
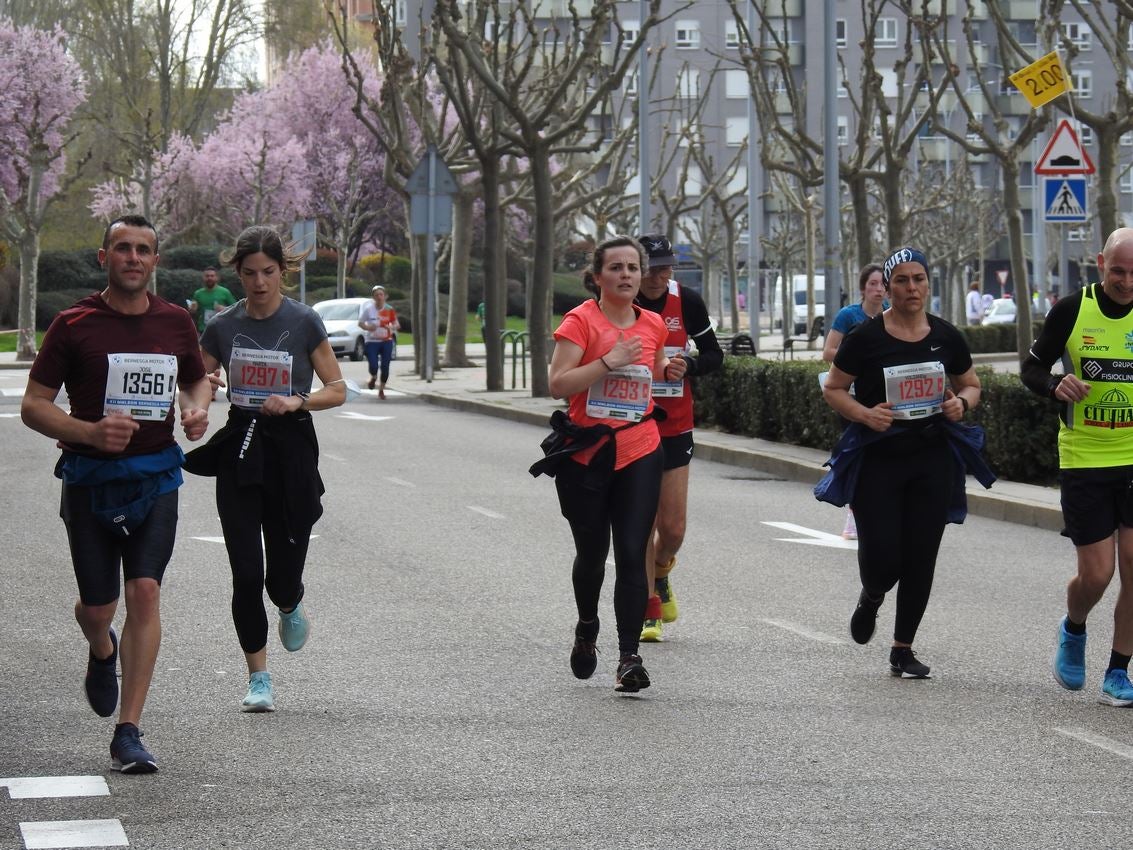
(699,85)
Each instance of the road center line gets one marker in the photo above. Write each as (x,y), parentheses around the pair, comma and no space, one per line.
(1099,741)
(400,482)
(485,512)
(803,631)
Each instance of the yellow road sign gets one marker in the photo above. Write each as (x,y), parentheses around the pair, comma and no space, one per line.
(1042,81)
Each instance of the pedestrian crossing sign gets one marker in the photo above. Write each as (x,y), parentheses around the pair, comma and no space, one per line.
(1064,199)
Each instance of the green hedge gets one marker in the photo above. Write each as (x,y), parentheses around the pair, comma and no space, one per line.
(781,401)
(995,339)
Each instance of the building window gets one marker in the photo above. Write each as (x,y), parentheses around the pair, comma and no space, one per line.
(735,130)
(688,83)
(400,15)
(1086,134)
(738,183)
(688,35)
(1078,33)
(1078,234)
(694,181)
(843,129)
(630,30)
(731,35)
(1127,139)
(1083,82)
(840,32)
(1126,181)
(631,84)
(886,33)
(735,85)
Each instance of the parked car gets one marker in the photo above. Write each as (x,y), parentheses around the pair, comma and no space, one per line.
(1002,311)
(340,318)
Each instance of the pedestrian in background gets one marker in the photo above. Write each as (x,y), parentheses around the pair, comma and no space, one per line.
(1089,332)
(871,289)
(122,355)
(210,299)
(973,304)
(380,323)
(687,323)
(608,351)
(265,458)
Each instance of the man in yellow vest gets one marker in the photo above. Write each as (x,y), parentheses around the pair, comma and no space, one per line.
(1092,332)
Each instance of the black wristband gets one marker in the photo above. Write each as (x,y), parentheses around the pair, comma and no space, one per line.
(1055,380)
(964,402)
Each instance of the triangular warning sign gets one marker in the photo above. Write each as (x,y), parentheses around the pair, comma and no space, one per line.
(1064,153)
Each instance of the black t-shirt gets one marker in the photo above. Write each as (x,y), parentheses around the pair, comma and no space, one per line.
(869,348)
(697,325)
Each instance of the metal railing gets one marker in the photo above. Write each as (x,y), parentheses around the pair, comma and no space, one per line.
(518,340)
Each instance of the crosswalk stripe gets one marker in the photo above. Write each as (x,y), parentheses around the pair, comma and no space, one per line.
(28,787)
(53,834)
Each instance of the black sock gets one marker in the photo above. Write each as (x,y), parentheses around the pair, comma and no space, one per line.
(1075,628)
(587,631)
(118,727)
(1117,661)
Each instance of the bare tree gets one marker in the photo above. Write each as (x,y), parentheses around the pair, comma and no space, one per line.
(548,96)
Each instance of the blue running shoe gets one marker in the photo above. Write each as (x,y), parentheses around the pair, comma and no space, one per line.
(1069,664)
(127,753)
(259,696)
(294,628)
(1116,689)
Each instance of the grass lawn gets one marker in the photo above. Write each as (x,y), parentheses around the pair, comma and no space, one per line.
(8,340)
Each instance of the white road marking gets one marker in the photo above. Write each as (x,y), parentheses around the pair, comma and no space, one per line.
(25,787)
(485,512)
(400,482)
(15,393)
(329,456)
(350,414)
(47,834)
(813,536)
(1099,741)
(8,415)
(803,631)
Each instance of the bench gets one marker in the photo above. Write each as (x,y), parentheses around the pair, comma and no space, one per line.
(740,344)
(789,342)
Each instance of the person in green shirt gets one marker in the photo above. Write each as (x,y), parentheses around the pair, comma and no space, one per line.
(210,299)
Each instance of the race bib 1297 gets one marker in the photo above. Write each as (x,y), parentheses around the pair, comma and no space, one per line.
(254,375)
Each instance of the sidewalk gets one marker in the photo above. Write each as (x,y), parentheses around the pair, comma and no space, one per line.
(463,389)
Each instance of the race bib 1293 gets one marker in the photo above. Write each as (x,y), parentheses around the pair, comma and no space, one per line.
(621,394)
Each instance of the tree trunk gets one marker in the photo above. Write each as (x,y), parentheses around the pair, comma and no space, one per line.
(495,287)
(341,246)
(29,274)
(863,222)
(894,214)
(417,302)
(1108,141)
(542,268)
(461,252)
(733,272)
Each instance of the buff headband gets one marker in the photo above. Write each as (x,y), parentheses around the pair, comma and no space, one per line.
(903,255)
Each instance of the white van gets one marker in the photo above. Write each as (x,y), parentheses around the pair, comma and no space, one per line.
(798,299)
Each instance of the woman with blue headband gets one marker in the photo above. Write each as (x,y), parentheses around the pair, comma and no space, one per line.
(901,461)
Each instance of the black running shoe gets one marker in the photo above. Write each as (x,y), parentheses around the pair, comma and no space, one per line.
(101,682)
(584,657)
(864,619)
(127,753)
(903,662)
(631,676)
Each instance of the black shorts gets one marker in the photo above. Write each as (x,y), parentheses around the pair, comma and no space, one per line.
(96,552)
(678,450)
(1095,502)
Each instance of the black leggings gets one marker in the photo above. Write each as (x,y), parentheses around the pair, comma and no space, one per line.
(625,506)
(244,512)
(901,506)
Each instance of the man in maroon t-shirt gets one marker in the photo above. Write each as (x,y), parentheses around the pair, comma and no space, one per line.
(122,354)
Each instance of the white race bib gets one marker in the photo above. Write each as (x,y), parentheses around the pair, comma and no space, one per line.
(670,389)
(253,375)
(140,385)
(620,394)
(915,390)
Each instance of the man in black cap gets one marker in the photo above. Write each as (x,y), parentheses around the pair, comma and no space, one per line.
(687,320)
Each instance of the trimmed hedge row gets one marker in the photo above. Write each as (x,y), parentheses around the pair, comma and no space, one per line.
(782,401)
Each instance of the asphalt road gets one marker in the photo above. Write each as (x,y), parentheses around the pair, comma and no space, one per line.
(434,707)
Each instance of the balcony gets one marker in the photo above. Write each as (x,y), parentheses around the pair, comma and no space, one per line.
(1012,104)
